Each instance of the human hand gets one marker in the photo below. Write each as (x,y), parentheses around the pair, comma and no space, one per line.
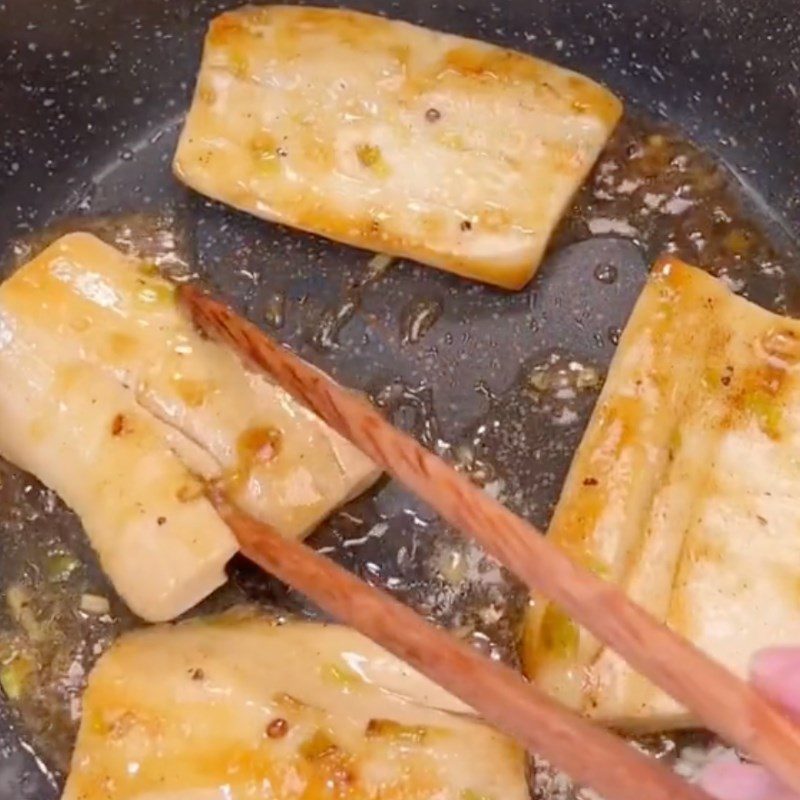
(776,673)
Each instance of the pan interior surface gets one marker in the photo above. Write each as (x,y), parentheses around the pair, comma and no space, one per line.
(92,97)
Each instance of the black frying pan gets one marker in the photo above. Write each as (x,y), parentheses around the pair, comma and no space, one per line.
(92,93)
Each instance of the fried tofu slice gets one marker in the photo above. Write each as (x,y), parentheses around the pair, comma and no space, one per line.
(237,707)
(119,363)
(685,491)
(391,137)
(82,434)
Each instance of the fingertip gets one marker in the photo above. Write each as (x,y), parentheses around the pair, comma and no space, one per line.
(735,781)
(776,673)
(773,662)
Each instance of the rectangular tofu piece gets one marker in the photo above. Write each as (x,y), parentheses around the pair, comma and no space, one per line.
(112,326)
(395,138)
(685,491)
(237,707)
(82,434)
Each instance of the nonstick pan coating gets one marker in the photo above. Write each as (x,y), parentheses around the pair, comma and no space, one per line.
(92,93)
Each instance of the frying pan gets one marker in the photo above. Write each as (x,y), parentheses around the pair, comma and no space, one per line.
(92,93)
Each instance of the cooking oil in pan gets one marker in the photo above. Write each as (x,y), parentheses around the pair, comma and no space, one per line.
(500,384)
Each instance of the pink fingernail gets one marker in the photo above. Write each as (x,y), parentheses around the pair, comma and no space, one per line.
(776,672)
(730,781)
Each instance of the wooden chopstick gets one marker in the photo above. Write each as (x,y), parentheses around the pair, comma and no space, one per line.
(720,700)
(589,754)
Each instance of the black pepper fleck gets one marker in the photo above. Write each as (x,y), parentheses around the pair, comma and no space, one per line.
(433,115)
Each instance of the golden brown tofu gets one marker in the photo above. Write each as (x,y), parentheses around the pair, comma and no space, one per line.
(392,137)
(104,371)
(685,491)
(237,708)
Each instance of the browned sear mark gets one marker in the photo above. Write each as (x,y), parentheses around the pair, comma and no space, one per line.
(120,425)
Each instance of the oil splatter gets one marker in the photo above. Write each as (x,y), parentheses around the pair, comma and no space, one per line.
(411,408)
(606,273)
(333,321)
(418,318)
(275,310)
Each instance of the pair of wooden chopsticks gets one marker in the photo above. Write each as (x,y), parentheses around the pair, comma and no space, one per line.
(592,756)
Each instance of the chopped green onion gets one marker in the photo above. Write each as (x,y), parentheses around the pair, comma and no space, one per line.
(14,677)
(378,264)
(60,566)
(370,156)
(540,380)
(389,729)
(149,269)
(156,292)
(318,746)
(767,411)
(560,635)
(94,604)
(18,599)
